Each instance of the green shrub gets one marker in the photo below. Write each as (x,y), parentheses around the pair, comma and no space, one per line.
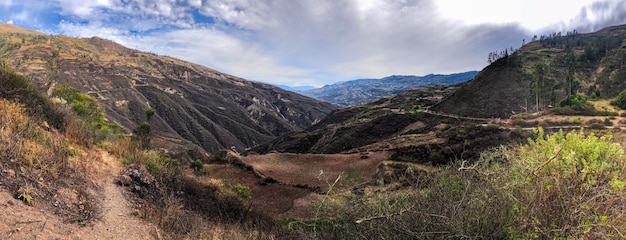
(620,100)
(84,105)
(160,166)
(90,112)
(555,187)
(577,102)
(566,186)
(197,166)
(243,191)
(521,116)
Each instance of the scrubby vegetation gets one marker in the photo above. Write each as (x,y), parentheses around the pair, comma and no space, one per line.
(575,105)
(48,145)
(556,186)
(620,100)
(38,152)
(191,205)
(88,110)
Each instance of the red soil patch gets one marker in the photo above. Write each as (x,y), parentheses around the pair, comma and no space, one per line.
(274,199)
(283,200)
(317,169)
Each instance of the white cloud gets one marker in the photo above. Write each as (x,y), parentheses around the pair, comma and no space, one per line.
(248,14)
(195,3)
(531,14)
(91,30)
(85,9)
(7,3)
(345,40)
(224,52)
(319,42)
(10,22)
(598,15)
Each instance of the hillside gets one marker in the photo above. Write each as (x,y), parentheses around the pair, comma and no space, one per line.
(193,103)
(552,70)
(355,92)
(401,124)
(53,180)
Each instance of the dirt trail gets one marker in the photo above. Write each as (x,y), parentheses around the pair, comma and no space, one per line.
(118,221)
(20,221)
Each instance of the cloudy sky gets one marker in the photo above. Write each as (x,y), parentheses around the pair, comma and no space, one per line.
(317,42)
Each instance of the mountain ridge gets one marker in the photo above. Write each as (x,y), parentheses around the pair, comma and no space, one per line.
(193,103)
(359,91)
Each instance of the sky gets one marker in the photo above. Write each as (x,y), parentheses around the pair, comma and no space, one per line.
(317,42)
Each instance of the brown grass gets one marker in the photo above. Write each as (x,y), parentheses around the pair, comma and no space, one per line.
(39,163)
(15,29)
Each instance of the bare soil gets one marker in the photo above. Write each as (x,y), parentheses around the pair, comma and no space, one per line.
(115,217)
(301,179)
(318,169)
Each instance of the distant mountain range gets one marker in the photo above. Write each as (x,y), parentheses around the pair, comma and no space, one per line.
(355,92)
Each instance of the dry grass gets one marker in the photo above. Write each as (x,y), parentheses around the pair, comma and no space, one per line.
(186,205)
(14,29)
(39,162)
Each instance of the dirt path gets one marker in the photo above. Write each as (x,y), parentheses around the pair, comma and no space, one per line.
(118,221)
(20,221)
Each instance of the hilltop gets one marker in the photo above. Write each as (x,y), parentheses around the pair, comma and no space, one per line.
(194,105)
(550,71)
(360,91)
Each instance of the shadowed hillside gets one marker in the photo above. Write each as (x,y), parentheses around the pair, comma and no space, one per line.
(192,102)
(401,124)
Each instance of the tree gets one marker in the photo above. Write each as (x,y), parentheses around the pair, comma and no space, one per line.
(144,131)
(569,78)
(577,102)
(539,71)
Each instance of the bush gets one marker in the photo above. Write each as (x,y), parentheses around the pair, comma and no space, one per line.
(577,102)
(459,200)
(522,116)
(243,191)
(197,166)
(568,186)
(18,88)
(620,100)
(555,187)
(159,165)
(93,122)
